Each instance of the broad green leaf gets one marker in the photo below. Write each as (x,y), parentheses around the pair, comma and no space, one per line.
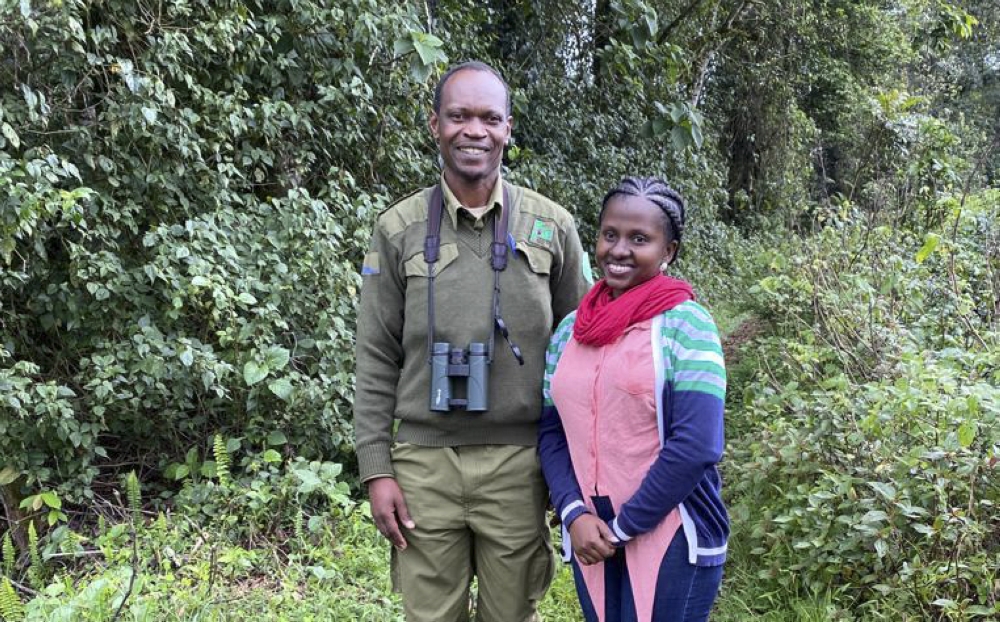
(276,438)
(10,134)
(428,47)
(402,46)
(316,523)
(246,298)
(51,499)
(309,481)
(149,114)
(332,469)
(8,475)
(966,434)
(271,456)
(187,357)
(679,137)
(651,23)
(281,387)
(886,490)
(254,373)
(931,241)
(881,547)
(696,134)
(276,357)
(419,71)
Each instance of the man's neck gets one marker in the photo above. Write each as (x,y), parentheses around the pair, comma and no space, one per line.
(475,194)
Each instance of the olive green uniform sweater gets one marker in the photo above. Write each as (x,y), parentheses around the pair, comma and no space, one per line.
(544,280)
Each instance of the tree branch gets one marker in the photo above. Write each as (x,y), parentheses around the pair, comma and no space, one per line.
(665,33)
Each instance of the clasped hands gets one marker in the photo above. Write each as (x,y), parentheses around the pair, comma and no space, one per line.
(592,539)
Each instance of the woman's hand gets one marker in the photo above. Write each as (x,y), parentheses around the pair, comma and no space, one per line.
(591,539)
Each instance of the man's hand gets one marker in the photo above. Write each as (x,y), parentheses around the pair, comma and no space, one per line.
(389,510)
(592,541)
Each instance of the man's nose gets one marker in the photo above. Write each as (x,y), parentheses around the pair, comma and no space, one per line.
(475,127)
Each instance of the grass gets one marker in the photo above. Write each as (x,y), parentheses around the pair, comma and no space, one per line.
(339,573)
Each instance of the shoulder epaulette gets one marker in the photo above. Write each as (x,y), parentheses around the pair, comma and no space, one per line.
(399,200)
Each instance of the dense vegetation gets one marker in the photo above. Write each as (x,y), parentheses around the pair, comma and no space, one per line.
(187,188)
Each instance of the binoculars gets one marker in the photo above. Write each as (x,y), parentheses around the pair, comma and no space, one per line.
(450,367)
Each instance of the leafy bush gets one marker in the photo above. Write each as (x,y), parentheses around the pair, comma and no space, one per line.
(181,220)
(867,443)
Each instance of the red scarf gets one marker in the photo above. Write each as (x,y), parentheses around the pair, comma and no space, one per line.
(601,319)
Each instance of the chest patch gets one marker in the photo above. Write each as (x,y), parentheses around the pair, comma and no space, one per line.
(542,232)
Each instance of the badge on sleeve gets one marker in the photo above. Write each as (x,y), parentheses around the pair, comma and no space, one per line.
(370,267)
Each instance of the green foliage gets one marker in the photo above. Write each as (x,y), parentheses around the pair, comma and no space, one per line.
(221,461)
(188,189)
(248,496)
(9,556)
(867,438)
(134,496)
(11,607)
(179,229)
(36,571)
(190,566)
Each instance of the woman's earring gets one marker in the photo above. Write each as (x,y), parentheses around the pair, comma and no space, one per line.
(663,266)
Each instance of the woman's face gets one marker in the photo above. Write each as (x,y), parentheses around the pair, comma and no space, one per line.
(632,242)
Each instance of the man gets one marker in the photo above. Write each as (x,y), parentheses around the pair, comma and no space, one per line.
(458,490)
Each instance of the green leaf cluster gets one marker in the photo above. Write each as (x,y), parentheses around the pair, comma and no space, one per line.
(863,448)
(187,190)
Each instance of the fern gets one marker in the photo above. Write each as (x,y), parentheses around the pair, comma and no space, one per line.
(11,608)
(221,460)
(133,495)
(8,555)
(36,573)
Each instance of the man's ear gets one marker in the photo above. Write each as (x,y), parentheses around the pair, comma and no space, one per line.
(432,123)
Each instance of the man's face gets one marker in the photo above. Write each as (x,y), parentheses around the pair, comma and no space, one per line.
(472,126)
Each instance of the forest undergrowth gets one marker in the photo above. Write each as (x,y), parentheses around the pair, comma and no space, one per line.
(187,190)
(861,467)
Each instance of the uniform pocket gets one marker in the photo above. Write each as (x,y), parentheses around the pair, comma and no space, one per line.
(539,259)
(541,570)
(417,265)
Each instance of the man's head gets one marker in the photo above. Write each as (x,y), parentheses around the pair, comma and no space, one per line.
(471,123)
(474,65)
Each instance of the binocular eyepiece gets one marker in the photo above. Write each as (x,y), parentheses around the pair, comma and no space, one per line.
(450,367)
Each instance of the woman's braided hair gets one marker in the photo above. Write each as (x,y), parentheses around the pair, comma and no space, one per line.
(660,194)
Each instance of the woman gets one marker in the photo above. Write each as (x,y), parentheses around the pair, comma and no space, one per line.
(632,426)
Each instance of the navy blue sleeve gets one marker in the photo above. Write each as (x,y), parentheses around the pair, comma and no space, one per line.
(694,443)
(557,466)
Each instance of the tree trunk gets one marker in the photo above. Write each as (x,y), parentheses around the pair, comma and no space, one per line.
(12,513)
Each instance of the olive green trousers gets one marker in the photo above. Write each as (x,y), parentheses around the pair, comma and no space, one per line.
(479,512)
